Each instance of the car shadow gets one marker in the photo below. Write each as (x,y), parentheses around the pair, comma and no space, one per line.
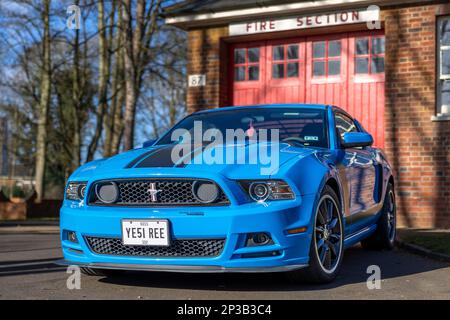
(24,267)
(393,264)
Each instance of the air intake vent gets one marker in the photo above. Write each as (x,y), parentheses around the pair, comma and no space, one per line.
(178,248)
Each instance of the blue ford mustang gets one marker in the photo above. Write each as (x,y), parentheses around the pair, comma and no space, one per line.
(144,210)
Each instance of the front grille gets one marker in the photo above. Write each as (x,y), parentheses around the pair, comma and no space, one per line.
(177,248)
(177,192)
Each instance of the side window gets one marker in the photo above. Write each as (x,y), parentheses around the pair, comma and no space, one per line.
(344,124)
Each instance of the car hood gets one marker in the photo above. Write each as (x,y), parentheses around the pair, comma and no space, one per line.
(158,160)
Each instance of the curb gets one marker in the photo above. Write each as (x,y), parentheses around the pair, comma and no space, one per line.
(29,230)
(34,223)
(422,251)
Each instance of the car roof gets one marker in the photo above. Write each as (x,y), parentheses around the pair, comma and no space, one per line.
(270,106)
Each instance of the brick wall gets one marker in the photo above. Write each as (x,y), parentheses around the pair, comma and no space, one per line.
(418,147)
(26,208)
(13,210)
(204,52)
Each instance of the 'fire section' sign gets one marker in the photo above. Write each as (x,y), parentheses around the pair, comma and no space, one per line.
(303,22)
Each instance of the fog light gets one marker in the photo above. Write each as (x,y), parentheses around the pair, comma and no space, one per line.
(205,192)
(107,192)
(72,236)
(258,239)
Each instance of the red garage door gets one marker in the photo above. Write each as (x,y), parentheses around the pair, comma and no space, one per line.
(346,70)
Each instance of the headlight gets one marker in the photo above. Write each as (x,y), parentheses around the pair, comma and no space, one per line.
(76,190)
(268,190)
(259,191)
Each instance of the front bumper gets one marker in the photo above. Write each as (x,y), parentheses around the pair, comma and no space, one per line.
(232,223)
(180,268)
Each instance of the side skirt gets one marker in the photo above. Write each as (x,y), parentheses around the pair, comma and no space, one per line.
(356,237)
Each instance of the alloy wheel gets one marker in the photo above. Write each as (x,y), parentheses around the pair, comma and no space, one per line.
(391,215)
(328,234)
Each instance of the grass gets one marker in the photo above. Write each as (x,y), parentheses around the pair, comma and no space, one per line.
(436,241)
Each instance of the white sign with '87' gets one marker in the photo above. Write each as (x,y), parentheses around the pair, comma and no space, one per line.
(197,80)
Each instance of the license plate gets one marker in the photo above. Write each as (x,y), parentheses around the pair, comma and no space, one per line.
(145,232)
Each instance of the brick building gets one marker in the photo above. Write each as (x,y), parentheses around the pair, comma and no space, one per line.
(386,62)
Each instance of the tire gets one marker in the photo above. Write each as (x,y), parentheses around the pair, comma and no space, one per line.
(327,241)
(101,272)
(384,236)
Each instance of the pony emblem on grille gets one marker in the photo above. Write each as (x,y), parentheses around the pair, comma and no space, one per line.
(153,191)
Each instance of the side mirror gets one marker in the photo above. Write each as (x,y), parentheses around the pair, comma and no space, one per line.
(356,139)
(148,143)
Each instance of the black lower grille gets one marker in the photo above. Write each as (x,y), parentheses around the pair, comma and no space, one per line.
(177,248)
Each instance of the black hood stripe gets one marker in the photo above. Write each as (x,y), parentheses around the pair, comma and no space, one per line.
(142,156)
(191,156)
(161,158)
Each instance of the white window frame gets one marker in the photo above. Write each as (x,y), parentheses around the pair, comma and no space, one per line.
(441,77)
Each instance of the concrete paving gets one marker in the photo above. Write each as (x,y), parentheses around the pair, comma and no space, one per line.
(27,272)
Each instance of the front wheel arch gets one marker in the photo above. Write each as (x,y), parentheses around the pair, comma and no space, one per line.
(333,184)
(316,271)
(391,181)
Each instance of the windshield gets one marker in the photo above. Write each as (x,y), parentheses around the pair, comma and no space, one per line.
(303,127)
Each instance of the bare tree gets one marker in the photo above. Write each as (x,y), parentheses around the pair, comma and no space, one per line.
(41,145)
(164,90)
(137,44)
(113,123)
(76,99)
(71,95)
(104,50)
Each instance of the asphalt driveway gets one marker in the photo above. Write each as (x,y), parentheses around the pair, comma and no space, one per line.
(27,272)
